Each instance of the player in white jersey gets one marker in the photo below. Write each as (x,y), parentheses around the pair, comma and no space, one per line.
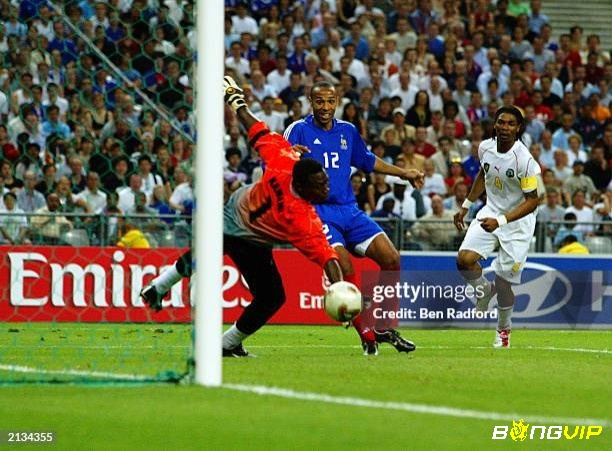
(509,176)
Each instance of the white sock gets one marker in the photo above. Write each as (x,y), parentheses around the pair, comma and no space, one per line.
(233,337)
(504,317)
(482,287)
(166,279)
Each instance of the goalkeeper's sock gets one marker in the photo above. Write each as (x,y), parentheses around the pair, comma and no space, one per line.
(166,280)
(233,337)
(504,318)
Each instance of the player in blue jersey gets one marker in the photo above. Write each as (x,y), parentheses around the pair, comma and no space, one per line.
(338,146)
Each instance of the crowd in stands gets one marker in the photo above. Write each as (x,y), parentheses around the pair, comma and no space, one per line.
(420,79)
(77,134)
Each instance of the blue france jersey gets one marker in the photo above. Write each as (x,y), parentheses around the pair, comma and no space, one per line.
(337,150)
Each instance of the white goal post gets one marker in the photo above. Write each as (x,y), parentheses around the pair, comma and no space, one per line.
(208,222)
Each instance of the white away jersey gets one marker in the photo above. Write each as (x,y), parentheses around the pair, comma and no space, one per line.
(507,175)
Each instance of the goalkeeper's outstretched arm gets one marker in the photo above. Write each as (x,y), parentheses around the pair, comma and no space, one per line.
(234,97)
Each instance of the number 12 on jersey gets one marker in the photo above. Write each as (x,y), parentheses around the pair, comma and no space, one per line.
(331,160)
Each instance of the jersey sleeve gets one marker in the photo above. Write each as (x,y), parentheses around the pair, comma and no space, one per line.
(481,150)
(293,133)
(361,157)
(306,234)
(529,178)
(270,146)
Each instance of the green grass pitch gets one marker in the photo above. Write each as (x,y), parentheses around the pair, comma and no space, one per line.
(546,374)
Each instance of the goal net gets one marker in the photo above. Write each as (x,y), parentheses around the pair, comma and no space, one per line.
(72,265)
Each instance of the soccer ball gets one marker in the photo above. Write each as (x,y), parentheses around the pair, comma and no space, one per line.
(342,301)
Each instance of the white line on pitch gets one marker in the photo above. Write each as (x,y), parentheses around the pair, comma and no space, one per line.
(97,374)
(341,400)
(540,348)
(410,407)
(314,346)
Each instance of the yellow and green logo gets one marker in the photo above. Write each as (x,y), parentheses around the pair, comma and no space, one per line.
(519,430)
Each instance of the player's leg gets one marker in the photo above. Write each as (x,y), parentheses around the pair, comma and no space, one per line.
(261,274)
(335,220)
(477,245)
(362,323)
(367,238)
(505,306)
(514,241)
(156,290)
(384,253)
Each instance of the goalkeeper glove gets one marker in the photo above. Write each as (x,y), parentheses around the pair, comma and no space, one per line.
(234,96)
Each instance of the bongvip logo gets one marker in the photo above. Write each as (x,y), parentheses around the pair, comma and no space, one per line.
(520,432)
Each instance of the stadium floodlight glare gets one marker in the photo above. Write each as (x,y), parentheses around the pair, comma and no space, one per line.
(208,226)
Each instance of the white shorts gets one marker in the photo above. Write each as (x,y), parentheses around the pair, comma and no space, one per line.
(513,239)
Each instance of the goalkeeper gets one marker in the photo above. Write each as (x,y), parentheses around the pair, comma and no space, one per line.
(278,208)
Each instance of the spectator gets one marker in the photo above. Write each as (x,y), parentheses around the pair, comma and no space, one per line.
(28,199)
(456,175)
(30,161)
(575,151)
(398,130)
(436,227)
(132,237)
(49,225)
(419,114)
(551,212)
(434,182)
(160,204)
(409,205)
(583,213)
(46,183)
(127,195)
(533,126)
(13,222)
(422,147)
(378,188)
(443,158)
(150,180)
(568,228)
(274,119)
(92,196)
(412,159)
(536,19)
(232,175)
(361,48)
(360,187)
(279,78)
(66,46)
(294,91)
(141,215)
(76,174)
(598,168)
(352,114)
(561,168)
(570,245)
(578,181)
(242,22)
(182,196)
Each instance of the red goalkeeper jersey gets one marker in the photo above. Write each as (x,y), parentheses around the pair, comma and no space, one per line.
(270,210)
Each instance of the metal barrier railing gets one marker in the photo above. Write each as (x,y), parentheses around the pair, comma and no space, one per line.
(82,229)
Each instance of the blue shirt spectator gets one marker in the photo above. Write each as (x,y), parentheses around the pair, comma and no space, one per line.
(52,125)
(536,18)
(65,46)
